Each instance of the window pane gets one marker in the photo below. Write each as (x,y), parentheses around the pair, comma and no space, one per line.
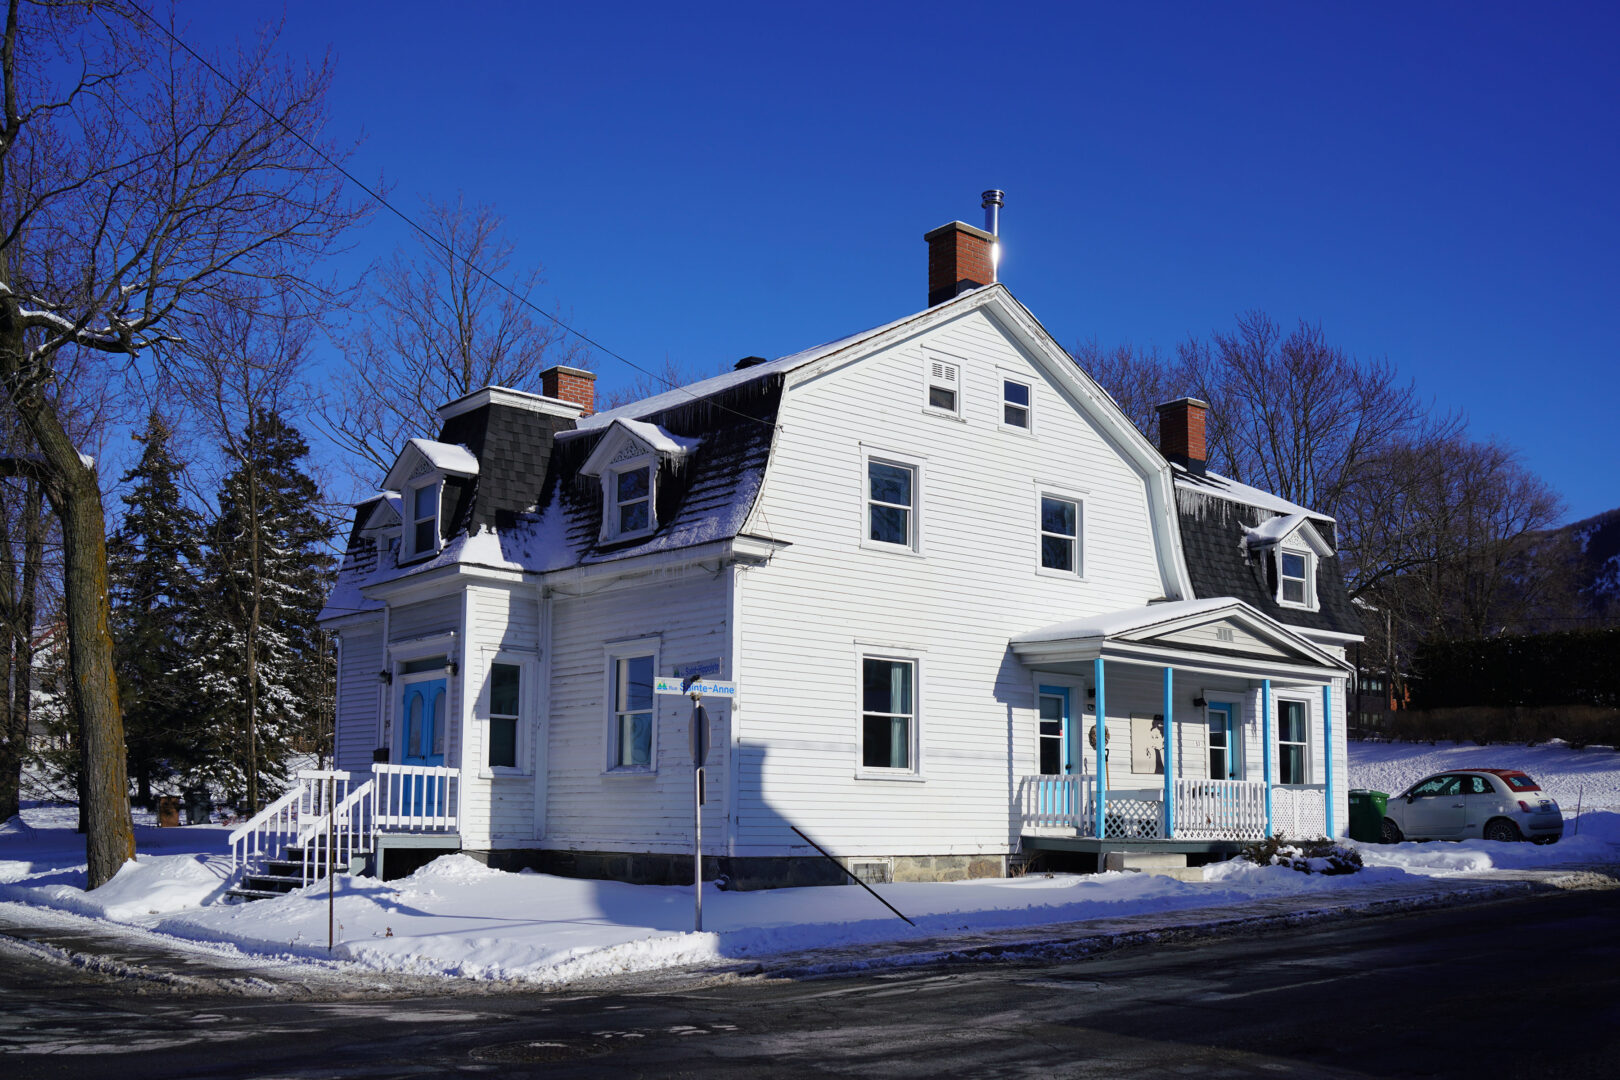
(1057,516)
(1293,565)
(1015,416)
(1051,709)
(431,663)
(426,502)
(1057,553)
(635,739)
(633,484)
(502,743)
(633,518)
(1015,393)
(941,398)
(885,742)
(635,681)
(425,536)
(1291,764)
(1051,755)
(503,689)
(1291,722)
(413,727)
(1293,591)
(891,525)
(889,483)
(886,686)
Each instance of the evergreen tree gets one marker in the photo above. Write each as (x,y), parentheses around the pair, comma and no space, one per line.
(260,658)
(153,559)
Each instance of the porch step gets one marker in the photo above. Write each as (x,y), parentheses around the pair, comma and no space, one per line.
(279,877)
(1156,863)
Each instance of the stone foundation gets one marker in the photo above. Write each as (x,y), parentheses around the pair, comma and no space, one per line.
(742,874)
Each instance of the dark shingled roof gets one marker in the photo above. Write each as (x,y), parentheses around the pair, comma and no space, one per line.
(513,447)
(1220,564)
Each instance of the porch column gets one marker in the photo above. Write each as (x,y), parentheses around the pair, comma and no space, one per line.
(1169,755)
(1327,755)
(1102,750)
(1265,745)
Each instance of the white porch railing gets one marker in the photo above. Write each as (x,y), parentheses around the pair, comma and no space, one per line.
(397,798)
(1204,809)
(416,798)
(1220,810)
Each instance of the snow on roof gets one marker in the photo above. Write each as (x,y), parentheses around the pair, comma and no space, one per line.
(705,387)
(447,457)
(659,438)
(1115,623)
(1212,483)
(1272,530)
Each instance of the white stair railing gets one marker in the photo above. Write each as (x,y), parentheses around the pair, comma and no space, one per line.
(346,829)
(268,833)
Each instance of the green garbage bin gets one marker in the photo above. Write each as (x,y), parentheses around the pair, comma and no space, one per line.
(1367,814)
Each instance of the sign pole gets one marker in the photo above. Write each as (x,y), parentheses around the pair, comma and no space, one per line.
(700,751)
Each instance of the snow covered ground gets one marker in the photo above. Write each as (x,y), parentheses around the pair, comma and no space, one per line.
(457,917)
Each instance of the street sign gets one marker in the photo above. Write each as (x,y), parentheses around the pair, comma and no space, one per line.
(672,684)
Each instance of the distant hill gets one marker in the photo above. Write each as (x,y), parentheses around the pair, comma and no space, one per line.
(1595,545)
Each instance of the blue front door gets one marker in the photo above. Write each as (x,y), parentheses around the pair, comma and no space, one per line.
(423,707)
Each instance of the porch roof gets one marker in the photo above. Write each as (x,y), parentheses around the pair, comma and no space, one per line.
(1218,635)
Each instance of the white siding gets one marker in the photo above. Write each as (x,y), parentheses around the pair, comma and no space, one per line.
(437,616)
(975,584)
(357,696)
(588,808)
(501,620)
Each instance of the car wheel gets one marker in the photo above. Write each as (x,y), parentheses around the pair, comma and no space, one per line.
(1502,829)
(1390,833)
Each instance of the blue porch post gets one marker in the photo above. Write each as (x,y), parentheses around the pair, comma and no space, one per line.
(1102,749)
(1169,756)
(1265,745)
(1327,756)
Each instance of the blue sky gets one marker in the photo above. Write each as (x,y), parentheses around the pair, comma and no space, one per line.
(1433,183)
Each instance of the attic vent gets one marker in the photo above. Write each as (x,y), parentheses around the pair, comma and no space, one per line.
(1224,633)
(942,385)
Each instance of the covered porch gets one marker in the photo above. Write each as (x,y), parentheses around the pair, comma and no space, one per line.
(1218,725)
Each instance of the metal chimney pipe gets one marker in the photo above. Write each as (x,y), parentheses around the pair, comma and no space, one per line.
(993,202)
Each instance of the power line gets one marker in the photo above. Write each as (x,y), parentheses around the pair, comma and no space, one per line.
(382,201)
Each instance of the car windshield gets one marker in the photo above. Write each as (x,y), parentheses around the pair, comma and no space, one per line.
(1520,782)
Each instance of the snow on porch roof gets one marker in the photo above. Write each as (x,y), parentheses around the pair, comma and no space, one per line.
(1130,620)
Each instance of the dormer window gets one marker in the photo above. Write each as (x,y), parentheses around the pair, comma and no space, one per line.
(424,527)
(630,460)
(631,512)
(1294,578)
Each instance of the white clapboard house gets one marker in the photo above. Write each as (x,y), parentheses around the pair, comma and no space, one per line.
(935,559)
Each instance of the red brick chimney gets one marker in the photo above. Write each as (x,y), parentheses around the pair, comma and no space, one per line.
(573,385)
(1181,433)
(960,258)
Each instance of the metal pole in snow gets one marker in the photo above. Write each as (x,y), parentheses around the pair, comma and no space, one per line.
(331,862)
(700,751)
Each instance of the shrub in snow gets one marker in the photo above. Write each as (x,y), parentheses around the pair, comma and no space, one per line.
(1319,856)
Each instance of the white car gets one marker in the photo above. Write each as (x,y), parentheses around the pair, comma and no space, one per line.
(1469,804)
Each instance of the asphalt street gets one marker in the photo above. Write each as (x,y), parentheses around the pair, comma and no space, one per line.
(1521,987)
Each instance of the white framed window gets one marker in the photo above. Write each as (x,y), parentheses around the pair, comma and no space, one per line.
(1293,756)
(509,682)
(632,712)
(1060,520)
(888,734)
(1296,578)
(893,500)
(630,490)
(943,386)
(1223,716)
(1017,400)
(422,510)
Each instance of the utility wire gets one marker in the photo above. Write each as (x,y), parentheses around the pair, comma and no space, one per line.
(382,201)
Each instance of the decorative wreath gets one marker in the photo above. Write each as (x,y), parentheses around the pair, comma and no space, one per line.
(1108,736)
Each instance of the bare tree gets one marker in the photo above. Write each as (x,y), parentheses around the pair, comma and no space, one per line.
(134,183)
(1137,380)
(436,328)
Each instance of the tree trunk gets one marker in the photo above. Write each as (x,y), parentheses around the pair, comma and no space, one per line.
(70,483)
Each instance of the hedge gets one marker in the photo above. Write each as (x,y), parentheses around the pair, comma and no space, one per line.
(1580,667)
